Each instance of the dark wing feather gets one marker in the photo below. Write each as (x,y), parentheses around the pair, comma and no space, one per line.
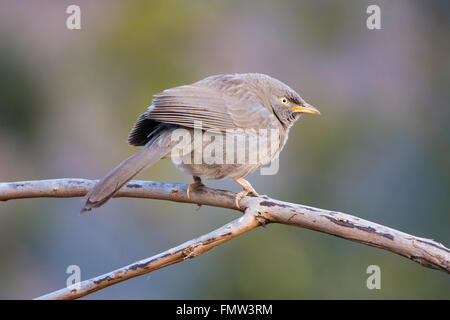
(142,130)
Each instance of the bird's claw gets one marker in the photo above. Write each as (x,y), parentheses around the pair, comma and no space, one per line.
(243,194)
(196,184)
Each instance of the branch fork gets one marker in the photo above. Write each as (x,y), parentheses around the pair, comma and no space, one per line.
(258,211)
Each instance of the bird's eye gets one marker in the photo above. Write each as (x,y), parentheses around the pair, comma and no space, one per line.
(284,100)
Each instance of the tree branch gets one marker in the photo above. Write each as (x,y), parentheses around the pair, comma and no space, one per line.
(258,211)
(187,250)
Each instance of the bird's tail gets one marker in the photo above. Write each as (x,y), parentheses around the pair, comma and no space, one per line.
(124,172)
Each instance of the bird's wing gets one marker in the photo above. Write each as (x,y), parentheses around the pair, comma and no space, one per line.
(217,107)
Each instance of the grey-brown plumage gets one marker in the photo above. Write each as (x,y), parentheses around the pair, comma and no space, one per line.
(221,102)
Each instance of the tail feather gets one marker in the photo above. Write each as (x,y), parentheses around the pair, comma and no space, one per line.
(124,172)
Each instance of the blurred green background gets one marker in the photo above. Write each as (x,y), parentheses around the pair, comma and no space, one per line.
(380,150)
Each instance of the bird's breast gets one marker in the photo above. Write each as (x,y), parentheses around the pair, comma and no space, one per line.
(232,154)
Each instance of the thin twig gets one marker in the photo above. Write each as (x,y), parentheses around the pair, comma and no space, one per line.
(259,210)
(187,250)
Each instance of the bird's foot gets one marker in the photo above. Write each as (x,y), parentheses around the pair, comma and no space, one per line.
(242,195)
(196,184)
(247,190)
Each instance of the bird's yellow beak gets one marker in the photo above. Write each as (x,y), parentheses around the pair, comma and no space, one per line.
(305,108)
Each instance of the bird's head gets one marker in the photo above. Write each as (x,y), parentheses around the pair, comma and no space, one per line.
(287,104)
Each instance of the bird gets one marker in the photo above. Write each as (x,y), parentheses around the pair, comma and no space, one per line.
(250,102)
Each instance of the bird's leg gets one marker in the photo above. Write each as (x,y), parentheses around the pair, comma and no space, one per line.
(197,183)
(247,189)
